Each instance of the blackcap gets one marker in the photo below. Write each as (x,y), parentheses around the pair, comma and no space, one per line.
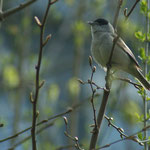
(123,59)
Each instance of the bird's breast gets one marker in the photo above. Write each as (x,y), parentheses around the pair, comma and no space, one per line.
(101,51)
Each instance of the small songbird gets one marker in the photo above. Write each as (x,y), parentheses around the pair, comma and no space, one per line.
(103,35)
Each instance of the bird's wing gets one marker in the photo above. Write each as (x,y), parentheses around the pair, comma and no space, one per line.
(125,48)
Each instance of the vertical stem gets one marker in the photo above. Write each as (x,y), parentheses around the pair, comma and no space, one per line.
(145,72)
(117,13)
(1,8)
(37,82)
(1,5)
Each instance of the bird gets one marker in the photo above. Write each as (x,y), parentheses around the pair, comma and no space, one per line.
(103,35)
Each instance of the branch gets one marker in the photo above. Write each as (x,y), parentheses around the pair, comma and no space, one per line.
(38,66)
(1,6)
(74,139)
(120,130)
(117,13)
(93,69)
(11,11)
(40,123)
(138,86)
(28,137)
(104,101)
(131,137)
(65,147)
(106,90)
(131,10)
(69,110)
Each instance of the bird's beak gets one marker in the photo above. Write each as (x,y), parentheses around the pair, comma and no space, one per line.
(90,22)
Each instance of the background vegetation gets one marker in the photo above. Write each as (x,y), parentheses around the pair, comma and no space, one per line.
(65,59)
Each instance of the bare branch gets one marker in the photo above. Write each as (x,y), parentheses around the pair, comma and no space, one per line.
(69,110)
(131,10)
(107,88)
(29,137)
(138,86)
(117,13)
(11,11)
(74,139)
(131,137)
(38,66)
(65,147)
(93,69)
(120,130)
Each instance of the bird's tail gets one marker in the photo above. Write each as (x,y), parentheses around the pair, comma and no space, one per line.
(142,80)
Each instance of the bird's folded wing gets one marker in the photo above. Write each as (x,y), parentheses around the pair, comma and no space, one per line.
(125,48)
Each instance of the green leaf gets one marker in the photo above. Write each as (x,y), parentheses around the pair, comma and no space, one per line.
(148,36)
(140,36)
(142,53)
(148,98)
(140,136)
(149,141)
(148,76)
(141,92)
(144,8)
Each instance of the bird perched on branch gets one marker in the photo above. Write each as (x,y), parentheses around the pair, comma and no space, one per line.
(103,35)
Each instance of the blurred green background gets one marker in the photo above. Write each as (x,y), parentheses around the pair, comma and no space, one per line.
(65,59)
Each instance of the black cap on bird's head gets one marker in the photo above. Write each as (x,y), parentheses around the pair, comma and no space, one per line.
(101,25)
(99,21)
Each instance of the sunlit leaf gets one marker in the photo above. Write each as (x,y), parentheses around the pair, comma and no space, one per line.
(140,136)
(143,7)
(140,36)
(132,112)
(10,76)
(148,76)
(142,53)
(74,86)
(148,98)
(53,92)
(148,141)
(80,32)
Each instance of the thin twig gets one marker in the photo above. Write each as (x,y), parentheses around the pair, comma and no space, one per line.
(40,123)
(65,147)
(11,11)
(131,137)
(108,82)
(1,6)
(104,102)
(138,86)
(93,69)
(131,10)
(120,130)
(117,13)
(74,139)
(29,137)
(37,83)
(69,110)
